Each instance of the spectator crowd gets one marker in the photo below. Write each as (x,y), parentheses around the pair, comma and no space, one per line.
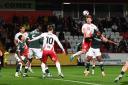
(67,24)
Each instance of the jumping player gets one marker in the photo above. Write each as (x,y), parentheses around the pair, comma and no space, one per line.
(94,53)
(87,30)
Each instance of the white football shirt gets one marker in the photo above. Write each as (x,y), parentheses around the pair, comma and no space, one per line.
(88,29)
(49,40)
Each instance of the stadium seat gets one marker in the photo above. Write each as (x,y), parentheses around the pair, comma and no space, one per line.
(112,36)
(67,33)
(70,37)
(80,37)
(69,51)
(117,33)
(66,37)
(75,37)
(57,33)
(109,29)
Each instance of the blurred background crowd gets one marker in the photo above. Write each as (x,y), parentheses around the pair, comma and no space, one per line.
(111,17)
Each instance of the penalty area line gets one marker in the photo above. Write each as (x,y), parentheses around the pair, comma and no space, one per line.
(80,82)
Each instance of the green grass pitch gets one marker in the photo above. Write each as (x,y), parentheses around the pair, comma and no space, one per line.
(73,76)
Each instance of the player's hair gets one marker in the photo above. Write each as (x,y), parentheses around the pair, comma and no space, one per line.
(21,27)
(89,16)
(20,36)
(50,27)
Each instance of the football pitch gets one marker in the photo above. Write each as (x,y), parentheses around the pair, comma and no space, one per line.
(73,76)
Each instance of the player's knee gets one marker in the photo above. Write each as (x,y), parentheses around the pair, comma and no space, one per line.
(55,60)
(20,63)
(99,59)
(101,63)
(89,58)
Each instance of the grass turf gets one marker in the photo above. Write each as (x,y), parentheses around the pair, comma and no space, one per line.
(73,76)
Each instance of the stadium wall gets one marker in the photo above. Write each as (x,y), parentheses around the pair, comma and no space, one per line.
(9,59)
(32,15)
(109,59)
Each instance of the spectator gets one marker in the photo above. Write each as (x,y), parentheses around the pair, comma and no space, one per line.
(123,45)
(61,36)
(114,27)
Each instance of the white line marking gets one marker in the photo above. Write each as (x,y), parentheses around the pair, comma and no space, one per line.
(80,82)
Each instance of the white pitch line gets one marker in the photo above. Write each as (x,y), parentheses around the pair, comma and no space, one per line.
(80,82)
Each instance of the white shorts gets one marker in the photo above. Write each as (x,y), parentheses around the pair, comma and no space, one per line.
(18,59)
(94,52)
(35,52)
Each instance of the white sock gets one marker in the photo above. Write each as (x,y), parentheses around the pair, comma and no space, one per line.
(77,53)
(30,66)
(21,66)
(58,67)
(46,68)
(43,68)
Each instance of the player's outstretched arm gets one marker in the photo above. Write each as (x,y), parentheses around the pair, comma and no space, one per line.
(110,41)
(107,40)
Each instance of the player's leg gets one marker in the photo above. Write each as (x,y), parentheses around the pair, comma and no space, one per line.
(93,65)
(76,54)
(57,63)
(43,64)
(99,59)
(89,56)
(30,57)
(124,69)
(30,66)
(38,55)
(47,72)
(27,65)
(85,47)
(18,66)
(87,65)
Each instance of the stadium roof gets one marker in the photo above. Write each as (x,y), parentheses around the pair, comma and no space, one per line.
(85,1)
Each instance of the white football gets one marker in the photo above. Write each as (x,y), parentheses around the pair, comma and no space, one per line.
(85,12)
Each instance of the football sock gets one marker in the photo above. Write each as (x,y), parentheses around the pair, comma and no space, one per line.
(58,67)
(87,66)
(26,69)
(77,53)
(93,67)
(121,74)
(101,66)
(30,60)
(43,68)
(47,70)
(18,67)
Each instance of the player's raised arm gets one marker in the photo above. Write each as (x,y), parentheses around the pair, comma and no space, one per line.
(110,41)
(107,40)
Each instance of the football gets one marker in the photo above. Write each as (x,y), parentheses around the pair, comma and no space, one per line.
(85,12)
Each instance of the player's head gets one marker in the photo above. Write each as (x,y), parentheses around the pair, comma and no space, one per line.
(50,28)
(89,19)
(22,29)
(38,29)
(98,33)
(21,38)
